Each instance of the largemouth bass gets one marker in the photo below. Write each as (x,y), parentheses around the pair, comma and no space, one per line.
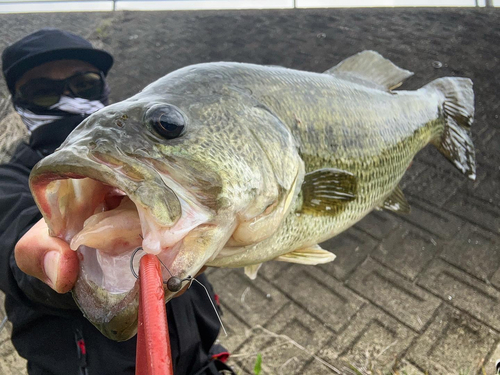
(233,165)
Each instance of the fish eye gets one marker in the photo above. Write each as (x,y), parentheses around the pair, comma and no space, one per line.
(166,120)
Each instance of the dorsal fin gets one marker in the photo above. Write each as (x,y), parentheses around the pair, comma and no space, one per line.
(372,67)
(396,202)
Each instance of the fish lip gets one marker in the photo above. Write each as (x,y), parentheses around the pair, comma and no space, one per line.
(119,323)
(68,166)
(74,165)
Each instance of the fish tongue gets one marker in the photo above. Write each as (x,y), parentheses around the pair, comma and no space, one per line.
(112,232)
(116,276)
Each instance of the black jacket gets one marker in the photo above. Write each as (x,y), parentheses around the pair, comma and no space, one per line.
(48,328)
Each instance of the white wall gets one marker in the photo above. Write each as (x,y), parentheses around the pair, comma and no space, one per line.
(32,6)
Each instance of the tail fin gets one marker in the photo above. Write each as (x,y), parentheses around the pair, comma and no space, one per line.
(458,110)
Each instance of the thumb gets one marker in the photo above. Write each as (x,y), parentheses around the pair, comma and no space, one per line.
(47,258)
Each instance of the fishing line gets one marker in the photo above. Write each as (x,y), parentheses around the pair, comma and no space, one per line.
(174,284)
(212,302)
(163,264)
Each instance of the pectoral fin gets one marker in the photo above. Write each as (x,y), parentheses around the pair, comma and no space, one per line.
(396,202)
(371,68)
(251,271)
(327,191)
(309,255)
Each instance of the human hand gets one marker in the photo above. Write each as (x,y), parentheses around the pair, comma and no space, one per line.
(47,258)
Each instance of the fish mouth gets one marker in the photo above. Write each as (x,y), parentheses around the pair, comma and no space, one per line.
(104,215)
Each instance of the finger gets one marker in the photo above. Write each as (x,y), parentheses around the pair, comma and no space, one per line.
(47,258)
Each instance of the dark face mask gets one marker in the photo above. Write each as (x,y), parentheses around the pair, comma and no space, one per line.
(47,138)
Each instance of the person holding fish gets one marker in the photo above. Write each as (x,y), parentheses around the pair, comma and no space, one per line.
(57,79)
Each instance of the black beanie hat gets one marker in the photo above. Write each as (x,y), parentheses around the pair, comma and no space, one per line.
(47,45)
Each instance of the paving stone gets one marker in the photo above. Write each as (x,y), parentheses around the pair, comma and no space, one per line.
(236,368)
(252,301)
(318,366)
(433,219)
(495,279)
(435,184)
(475,210)
(394,294)
(378,224)
(287,343)
(474,251)
(490,365)
(307,332)
(406,368)
(372,340)
(407,250)
(321,295)
(351,248)
(453,343)
(273,269)
(431,156)
(414,172)
(493,143)
(211,271)
(237,330)
(11,362)
(463,291)
(487,185)
(293,323)
(482,132)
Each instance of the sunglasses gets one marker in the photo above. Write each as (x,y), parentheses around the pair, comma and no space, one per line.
(45,92)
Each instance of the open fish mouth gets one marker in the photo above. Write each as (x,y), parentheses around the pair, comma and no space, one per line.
(105,214)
